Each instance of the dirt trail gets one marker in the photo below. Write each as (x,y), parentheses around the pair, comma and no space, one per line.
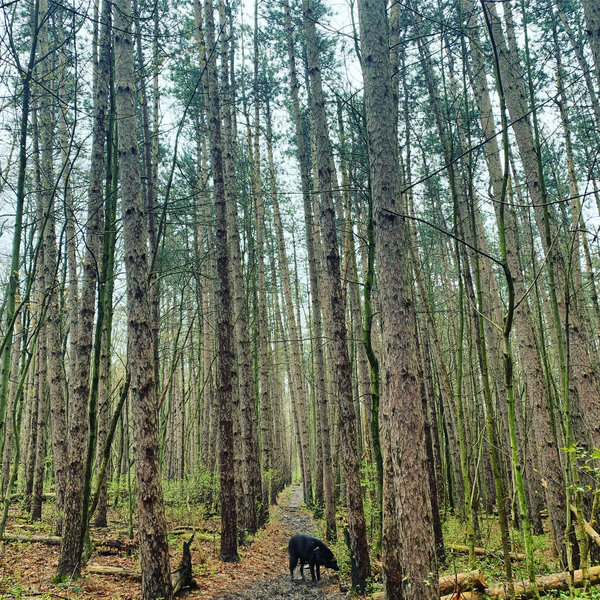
(275,584)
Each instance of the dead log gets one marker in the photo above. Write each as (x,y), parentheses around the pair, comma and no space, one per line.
(201,536)
(485,551)
(115,546)
(592,532)
(594,535)
(108,545)
(182,577)
(545,584)
(182,529)
(19,496)
(473,580)
(108,570)
(50,540)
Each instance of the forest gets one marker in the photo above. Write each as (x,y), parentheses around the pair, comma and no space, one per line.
(278,267)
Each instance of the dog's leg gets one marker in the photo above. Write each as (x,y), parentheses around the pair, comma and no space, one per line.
(293,563)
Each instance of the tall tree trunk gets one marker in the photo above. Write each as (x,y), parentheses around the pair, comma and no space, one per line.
(582,381)
(40,447)
(79,385)
(350,274)
(154,548)
(110,236)
(40,292)
(223,294)
(54,341)
(263,324)
(149,175)
(32,427)
(409,560)
(314,270)
(591,11)
(9,448)
(338,347)
(255,513)
(13,282)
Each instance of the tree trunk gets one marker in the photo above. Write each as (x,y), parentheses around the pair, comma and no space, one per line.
(54,341)
(9,438)
(409,561)
(263,323)
(105,383)
(537,395)
(583,384)
(40,449)
(79,385)
(223,295)
(591,11)
(338,347)
(154,548)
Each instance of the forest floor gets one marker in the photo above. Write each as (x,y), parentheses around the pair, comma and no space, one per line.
(274,583)
(26,569)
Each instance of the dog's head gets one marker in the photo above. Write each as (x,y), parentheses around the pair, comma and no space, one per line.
(324,556)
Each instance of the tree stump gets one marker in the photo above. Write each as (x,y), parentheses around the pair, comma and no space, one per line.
(184,573)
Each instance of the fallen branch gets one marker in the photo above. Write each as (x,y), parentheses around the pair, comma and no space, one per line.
(588,528)
(181,578)
(107,570)
(53,540)
(26,594)
(473,580)
(486,552)
(545,584)
(202,536)
(19,496)
(50,540)
(115,546)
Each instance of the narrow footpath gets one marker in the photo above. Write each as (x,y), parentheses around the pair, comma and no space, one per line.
(272,582)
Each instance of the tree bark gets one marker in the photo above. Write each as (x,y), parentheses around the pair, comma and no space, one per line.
(591,11)
(264,358)
(154,548)
(223,293)
(40,447)
(338,347)
(105,383)
(409,561)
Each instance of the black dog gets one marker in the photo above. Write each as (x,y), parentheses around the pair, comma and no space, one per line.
(307,549)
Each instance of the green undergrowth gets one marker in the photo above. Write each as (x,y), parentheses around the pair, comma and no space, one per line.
(493,566)
(19,592)
(458,562)
(592,594)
